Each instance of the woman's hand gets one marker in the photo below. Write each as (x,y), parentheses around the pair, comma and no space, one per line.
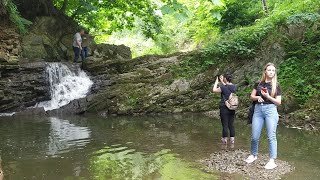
(217,79)
(265,94)
(221,78)
(215,88)
(260,99)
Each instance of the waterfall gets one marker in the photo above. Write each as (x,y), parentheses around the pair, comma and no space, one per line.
(65,85)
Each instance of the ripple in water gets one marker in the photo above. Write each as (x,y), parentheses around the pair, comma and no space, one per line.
(65,136)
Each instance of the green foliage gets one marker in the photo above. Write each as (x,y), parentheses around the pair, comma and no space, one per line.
(242,43)
(172,38)
(300,72)
(240,13)
(201,25)
(303,18)
(108,16)
(177,10)
(14,16)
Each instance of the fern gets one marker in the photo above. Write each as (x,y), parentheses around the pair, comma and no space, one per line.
(15,17)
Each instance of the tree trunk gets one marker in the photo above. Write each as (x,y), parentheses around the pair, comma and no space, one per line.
(64,6)
(265,7)
(2,8)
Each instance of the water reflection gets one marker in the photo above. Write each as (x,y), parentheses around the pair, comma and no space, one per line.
(64,136)
(118,162)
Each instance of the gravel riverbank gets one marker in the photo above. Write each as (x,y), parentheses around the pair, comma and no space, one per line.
(233,162)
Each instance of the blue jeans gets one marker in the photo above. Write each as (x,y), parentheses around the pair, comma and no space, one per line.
(84,53)
(265,113)
(77,52)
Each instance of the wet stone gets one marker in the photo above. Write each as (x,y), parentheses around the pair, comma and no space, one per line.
(233,162)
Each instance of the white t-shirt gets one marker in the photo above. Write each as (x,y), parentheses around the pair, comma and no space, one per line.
(76,37)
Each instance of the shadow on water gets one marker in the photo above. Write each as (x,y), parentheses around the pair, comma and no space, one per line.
(147,147)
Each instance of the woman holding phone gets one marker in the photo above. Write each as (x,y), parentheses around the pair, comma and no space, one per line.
(268,96)
(226,115)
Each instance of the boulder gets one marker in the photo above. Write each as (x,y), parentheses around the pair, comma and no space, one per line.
(108,51)
(180,85)
(49,38)
(78,106)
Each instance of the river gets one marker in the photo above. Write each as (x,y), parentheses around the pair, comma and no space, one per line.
(142,147)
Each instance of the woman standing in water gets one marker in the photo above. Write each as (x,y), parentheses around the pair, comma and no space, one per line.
(268,96)
(226,115)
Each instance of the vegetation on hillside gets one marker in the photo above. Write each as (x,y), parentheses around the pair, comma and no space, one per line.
(9,11)
(300,71)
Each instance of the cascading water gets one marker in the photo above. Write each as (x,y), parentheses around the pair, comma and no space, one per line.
(65,85)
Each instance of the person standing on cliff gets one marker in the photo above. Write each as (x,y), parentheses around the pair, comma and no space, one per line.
(268,95)
(85,44)
(226,115)
(76,45)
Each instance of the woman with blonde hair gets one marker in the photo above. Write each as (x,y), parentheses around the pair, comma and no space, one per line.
(267,94)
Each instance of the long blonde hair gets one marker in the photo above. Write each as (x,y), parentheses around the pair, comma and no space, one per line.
(274,81)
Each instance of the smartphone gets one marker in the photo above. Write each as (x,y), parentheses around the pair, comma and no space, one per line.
(264,89)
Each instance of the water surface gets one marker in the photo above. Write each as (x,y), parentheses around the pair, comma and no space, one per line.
(147,147)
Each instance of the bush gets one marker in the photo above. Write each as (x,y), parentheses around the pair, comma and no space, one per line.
(300,71)
(240,13)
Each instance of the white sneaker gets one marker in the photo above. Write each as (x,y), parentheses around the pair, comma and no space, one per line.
(250,159)
(231,140)
(270,164)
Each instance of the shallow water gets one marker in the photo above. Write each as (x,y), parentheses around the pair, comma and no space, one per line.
(147,147)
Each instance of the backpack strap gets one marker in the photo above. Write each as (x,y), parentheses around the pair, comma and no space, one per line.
(230,93)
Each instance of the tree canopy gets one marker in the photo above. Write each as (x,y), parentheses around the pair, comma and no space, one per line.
(172,25)
(112,15)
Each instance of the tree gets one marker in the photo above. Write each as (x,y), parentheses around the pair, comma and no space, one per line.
(96,15)
(265,7)
(111,15)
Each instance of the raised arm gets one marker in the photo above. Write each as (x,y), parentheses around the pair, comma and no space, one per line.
(215,88)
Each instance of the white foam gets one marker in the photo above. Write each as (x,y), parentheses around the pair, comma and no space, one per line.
(65,85)
(7,114)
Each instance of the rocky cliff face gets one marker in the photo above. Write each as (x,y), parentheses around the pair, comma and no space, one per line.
(148,84)
(22,85)
(50,38)
(10,45)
